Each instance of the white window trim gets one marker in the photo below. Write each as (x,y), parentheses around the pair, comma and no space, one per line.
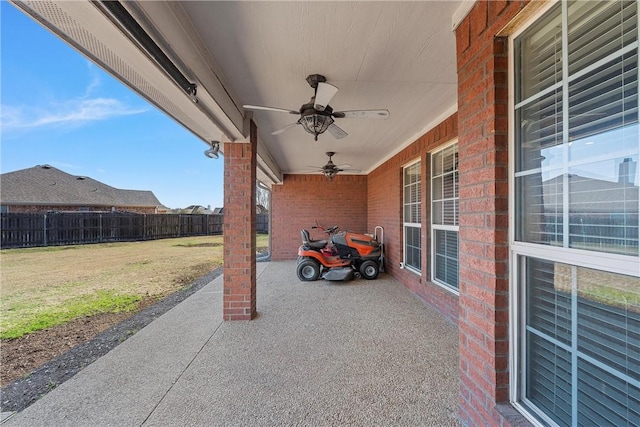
(435,227)
(410,224)
(621,264)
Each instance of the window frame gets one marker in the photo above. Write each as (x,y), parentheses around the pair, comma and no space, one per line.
(519,251)
(406,224)
(434,227)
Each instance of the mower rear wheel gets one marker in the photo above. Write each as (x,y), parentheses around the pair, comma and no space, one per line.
(369,270)
(308,270)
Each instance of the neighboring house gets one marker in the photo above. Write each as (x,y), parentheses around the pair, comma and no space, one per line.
(44,188)
(196,209)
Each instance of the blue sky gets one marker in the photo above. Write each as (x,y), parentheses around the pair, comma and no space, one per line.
(59,108)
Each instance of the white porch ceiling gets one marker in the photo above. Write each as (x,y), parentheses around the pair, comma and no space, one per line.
(393,55)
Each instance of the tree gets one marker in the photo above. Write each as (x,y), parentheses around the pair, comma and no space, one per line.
(263,198)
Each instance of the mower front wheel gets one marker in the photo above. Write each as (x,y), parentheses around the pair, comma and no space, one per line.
(308,270)
(369,270)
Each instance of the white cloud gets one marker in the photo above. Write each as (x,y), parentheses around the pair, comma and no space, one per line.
(96,82)
(68,114)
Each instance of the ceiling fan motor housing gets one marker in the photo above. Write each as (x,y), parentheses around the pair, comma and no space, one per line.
(314,79)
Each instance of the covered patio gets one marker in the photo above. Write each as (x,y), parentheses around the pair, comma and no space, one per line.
(496,143)
(321,353)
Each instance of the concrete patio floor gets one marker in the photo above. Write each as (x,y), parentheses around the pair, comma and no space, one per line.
(322,353)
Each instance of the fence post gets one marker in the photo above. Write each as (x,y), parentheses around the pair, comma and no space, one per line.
(100,227)
(44,234)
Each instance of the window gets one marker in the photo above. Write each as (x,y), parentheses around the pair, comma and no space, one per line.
(575,199)
(583,342)
(577,139)
(444,212)
(412,206)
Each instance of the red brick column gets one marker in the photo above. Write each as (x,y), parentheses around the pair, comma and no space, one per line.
(483,179)
(239,299)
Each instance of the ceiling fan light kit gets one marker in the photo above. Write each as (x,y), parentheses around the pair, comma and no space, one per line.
(316,116)
(313,121)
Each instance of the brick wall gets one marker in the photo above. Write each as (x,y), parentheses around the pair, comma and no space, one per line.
(303,199)
(385,209)
(483,175)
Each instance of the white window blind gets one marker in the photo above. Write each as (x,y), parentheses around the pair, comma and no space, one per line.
(583,341)
(578,142)
(576,176)
(412,207)
(444,215)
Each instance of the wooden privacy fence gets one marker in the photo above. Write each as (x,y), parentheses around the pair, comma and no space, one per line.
(23,230)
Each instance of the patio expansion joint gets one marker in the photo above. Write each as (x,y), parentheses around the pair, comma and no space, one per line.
(215,331)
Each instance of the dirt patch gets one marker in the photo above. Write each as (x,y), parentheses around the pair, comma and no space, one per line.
(37,363)
(201,245)
(21,356)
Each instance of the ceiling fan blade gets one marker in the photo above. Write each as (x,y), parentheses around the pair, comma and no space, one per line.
(336,131)
(324,93)
(362,114)
(350,170)
(284,129)
(279,110)
(343,166)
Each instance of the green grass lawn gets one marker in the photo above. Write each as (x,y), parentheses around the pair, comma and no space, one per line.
(44,287)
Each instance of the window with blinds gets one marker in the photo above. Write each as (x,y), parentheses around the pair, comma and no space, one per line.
(444,216)
(412,213)
(582,343)
(577,148)
(576,181)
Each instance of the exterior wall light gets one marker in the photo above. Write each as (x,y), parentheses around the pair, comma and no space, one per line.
(213,152)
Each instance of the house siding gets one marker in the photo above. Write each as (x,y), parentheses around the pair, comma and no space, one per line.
(303,199)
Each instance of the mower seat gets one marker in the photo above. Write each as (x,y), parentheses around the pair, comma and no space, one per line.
(312,244)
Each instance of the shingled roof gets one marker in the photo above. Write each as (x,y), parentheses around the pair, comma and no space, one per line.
(46,185)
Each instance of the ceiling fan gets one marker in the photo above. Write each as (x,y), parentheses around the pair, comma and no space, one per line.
(317,116)
(330,170)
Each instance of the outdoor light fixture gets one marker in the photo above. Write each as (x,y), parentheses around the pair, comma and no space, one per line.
(212,152)
(330,173)
(313,121)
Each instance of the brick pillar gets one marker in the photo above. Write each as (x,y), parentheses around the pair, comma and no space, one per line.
(239,299)
(483,179)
